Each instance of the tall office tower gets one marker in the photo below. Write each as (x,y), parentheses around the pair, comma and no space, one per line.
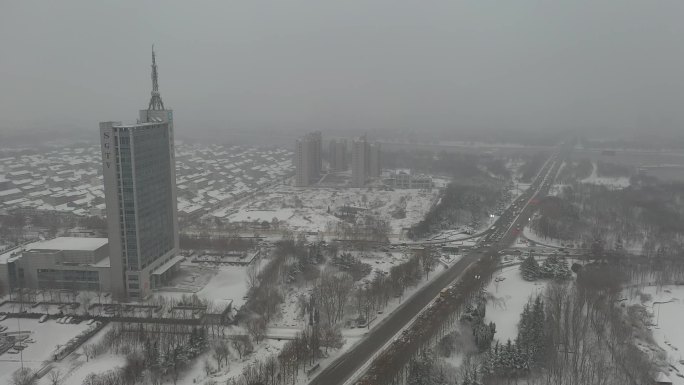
(140,195)
(359,160)
(374,160)
(337,154)
(308,162)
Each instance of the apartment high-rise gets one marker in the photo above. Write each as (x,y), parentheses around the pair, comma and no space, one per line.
(359,160)
(308,161)
(337,155)
(140,194)
(366,160)
(374,159)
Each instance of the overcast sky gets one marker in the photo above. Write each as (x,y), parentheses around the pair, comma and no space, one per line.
(240,66)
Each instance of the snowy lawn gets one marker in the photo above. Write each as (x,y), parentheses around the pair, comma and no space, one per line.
(510,292)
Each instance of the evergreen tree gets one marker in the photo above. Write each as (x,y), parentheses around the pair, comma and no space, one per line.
(507,359)
(538,328)
(555,268)
(530,269)
(563,269)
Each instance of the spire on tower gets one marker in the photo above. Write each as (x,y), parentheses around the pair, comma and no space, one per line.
(156,101)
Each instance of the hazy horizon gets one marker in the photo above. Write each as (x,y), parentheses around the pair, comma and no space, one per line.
(281,68)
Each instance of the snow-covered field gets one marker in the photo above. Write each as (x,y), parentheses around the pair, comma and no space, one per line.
(615,183)
(667,307)
(509,294)
(223,282)
(532,236)
(312,209)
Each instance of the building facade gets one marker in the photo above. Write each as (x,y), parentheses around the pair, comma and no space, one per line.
(140,196)
(308,161)
(66,263)
(374,159)
(359,161)
(337,155)
(405,179)
(366,158)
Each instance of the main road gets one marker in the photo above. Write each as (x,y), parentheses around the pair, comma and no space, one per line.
(500,236)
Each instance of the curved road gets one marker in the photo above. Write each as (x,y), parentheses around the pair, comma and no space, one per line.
(347,365)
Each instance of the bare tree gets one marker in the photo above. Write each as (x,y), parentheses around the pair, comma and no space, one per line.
(332,294)
(331,338)
(252,275)
(208,368)
(221,352)
(428,260)
(86,298)
(55,377)
(242,345)
(256,327)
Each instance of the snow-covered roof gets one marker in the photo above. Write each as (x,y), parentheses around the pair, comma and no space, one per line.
(11,191)
(69,243)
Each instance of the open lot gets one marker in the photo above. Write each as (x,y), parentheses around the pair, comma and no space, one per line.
(314,209)
(48,336)
(209,282)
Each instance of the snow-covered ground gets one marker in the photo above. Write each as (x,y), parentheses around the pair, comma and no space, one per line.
(532,236)
(613,183)
(48,337)
(667,307)
(509,294)
(223,282)
(312,209)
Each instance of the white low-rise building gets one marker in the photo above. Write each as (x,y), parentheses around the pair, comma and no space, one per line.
(73,263)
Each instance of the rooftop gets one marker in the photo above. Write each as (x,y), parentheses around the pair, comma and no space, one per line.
(69,243)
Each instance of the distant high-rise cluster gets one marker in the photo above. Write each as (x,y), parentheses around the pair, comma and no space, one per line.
(308,161)
(366,160)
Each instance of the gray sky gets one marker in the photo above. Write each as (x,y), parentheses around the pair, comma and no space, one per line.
(278,66)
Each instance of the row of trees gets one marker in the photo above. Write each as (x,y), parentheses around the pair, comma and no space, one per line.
(574,333)
(151,356)
(367,227)
(647,216)
(289,260)
(461,203)
(350,264)
(296,356)
(483,333)
(334,294)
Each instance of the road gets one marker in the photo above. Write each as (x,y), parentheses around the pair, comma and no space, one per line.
(502,234)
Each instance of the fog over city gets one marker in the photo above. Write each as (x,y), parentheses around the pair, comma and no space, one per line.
(284,67)
(343,192)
